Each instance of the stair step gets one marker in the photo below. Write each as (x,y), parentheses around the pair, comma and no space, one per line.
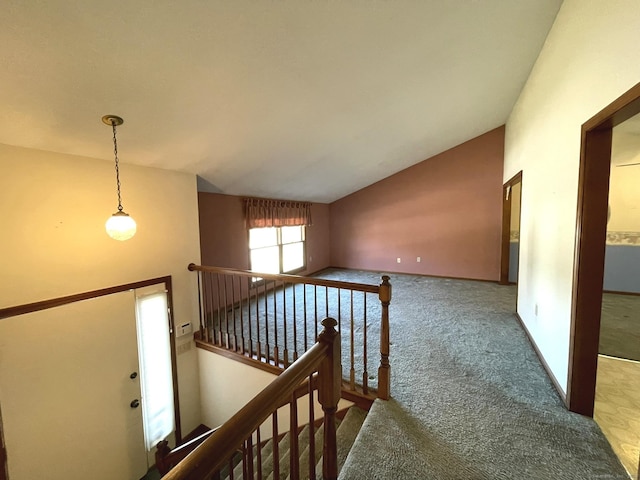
(346,433)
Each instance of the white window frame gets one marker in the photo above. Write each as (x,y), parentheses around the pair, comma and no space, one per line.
(279,243)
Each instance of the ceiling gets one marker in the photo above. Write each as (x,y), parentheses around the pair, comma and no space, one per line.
(297,99)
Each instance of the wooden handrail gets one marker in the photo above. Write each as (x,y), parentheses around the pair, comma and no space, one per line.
(323,357)
(360,287)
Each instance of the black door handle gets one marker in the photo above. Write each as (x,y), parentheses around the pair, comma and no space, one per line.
(135,403)
(133,375)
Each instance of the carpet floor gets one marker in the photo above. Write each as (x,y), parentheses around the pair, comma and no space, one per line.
(470,398)
(620,326)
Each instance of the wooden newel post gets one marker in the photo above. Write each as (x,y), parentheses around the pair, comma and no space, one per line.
(384,371)
(329,389)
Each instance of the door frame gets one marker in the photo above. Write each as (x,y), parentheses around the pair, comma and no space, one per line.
(56,302)
(506,226)
(589,256)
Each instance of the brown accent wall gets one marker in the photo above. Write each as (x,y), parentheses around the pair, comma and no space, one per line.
(446,210)
(224,239)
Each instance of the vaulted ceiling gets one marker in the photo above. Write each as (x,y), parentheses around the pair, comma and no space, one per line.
(299,99)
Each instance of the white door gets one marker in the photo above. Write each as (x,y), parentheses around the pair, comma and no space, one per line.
(66,392)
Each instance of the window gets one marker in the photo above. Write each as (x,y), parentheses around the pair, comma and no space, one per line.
(277,249)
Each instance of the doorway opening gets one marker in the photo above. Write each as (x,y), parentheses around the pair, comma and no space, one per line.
(591,232)
(510,245)
(617,397)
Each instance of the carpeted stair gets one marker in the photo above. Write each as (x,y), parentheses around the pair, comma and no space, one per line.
(346,434)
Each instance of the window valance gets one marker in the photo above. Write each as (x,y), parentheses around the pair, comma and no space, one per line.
(262,212)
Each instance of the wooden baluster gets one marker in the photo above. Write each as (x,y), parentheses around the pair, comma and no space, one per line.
(285,352)
(210,317)
(352,370)
(384,371)
(227,342)
(249,448)
(248,280)
(329,389)
(365,372)
(267,351)
(220,310)
(233,311)
(315,306)
(230,466)
(258,343)
(339,310)
(276,446)
(295,325)
(326,302)
(201,304)
(276,351)
(241,305)
(294,445)
(312,436)
(258,454)
(306,339)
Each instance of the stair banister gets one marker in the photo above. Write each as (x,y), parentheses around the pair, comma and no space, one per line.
(323,357)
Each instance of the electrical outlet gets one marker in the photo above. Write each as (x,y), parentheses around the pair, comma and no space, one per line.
(418,259)
(398,260)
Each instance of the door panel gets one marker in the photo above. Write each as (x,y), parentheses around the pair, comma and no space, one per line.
(65,390)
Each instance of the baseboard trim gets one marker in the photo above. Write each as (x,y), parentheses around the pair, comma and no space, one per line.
(633,294)
(545,365)
(445,277)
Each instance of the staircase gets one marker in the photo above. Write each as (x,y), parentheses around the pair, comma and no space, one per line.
(346,434)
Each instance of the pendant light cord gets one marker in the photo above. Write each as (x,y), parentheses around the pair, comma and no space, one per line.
(115,152)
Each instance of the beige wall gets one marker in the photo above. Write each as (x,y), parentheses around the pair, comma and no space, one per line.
(53,241)
(222,395)
(590,58)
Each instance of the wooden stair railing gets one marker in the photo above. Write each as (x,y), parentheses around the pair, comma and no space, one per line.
(243,430)
(274,319)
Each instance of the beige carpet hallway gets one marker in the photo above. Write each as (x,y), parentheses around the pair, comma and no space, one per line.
(617,408)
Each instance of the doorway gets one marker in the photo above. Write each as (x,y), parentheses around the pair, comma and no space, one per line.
(510,245)
(591,231)
(617,400)
(69,385)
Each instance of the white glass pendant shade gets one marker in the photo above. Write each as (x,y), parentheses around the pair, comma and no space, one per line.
(120,226)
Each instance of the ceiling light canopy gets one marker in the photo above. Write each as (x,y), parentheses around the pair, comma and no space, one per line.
(120,226)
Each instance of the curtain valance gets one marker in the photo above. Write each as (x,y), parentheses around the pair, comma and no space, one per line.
(263,212)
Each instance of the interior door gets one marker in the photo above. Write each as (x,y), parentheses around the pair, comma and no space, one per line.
(66,390)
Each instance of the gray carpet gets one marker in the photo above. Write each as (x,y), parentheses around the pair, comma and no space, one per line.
(620,326)
(470,398)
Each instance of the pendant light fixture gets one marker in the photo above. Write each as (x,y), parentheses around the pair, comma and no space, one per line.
(120,226)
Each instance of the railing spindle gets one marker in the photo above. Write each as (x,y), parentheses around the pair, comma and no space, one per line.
(352,370)
(220,310)
(258,454)
(285,351)
(267,352)
(365,373)
(295,325)
(241,308)
(312,436)
(249,302)
(306,340)
(227,342)
(276,351)
(233,311)
(276,446)
(315,306)
(294,446)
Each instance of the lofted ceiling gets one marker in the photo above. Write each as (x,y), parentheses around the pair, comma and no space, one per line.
(298,99)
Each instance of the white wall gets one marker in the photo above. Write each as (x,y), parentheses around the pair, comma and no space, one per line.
(590,58)
(53,242)
(223,395)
